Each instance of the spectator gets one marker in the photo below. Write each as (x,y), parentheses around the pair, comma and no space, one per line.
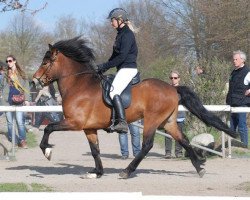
(135,141)
(239,94)
(46,97)
(16,84)
(2,83)
(175,81)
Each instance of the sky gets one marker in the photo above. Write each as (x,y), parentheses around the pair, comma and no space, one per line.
(87,9)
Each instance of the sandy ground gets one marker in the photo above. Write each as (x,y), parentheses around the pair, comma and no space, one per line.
(71,159)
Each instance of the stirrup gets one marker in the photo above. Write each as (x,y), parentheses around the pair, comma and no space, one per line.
(110,129)
(121,127)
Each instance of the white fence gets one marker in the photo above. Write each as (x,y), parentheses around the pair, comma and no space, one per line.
(213,108)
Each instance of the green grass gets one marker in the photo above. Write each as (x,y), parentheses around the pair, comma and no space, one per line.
(160,140)
(31,140)
(22,187)
(240,152)
(244,186)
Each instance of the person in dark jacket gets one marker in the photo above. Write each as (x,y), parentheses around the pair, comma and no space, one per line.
(46,97)
(239,94)
(175,81)
(124,59)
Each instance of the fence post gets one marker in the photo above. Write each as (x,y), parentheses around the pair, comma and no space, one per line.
(13,135)
(229,142)
(223,144)
(223,139)
(229,147)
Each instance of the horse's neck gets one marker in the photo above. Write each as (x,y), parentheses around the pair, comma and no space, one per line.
(77,83)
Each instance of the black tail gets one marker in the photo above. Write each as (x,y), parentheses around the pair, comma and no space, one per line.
(193,103)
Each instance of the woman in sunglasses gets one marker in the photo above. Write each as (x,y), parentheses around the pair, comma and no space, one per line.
(16,84)
(175,81)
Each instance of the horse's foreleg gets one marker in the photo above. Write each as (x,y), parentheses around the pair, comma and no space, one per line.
(97,172)
(147,144)
(56,126)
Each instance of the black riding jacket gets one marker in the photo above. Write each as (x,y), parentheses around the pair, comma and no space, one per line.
(236,94)
(124,50)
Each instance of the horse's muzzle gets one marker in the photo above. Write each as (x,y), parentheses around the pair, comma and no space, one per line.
(35,82)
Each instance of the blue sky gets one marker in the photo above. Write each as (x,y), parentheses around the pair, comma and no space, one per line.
(87,9)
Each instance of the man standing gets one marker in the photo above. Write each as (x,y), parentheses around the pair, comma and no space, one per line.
(239,94)
(135,141)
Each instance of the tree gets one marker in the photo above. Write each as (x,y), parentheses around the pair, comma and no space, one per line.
(23,40)
(10,5)
(210,28)
(68,27)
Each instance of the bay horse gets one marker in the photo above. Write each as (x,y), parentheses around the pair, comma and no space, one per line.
(71,64)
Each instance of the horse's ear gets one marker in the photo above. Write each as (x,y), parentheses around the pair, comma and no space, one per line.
(50,47)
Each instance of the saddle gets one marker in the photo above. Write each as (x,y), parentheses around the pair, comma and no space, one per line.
(125,95)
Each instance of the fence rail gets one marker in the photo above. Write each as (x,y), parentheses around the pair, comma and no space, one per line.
(213,108)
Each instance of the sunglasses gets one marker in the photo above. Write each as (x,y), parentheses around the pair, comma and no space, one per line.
(9,61)
(173,78)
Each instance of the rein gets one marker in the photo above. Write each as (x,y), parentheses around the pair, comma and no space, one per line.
(100,75)
(79,73)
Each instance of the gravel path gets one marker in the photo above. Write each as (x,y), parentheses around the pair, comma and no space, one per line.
(71,159)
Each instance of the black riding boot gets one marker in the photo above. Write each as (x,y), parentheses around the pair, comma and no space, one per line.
(121,124)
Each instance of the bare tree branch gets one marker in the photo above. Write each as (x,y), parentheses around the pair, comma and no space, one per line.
(10,5)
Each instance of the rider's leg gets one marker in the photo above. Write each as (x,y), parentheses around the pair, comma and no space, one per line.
(122,125)
(122,79)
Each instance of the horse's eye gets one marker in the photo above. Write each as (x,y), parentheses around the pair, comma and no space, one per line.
(44,62)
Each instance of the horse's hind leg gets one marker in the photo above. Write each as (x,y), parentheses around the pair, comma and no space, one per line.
(193,156)
(174,131)
(147,144)
(97,172)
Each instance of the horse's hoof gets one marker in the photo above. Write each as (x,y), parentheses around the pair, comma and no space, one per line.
(90,176)
(48,153)
(124,175)
(202,172)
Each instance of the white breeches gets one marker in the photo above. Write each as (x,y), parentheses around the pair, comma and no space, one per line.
(121,80)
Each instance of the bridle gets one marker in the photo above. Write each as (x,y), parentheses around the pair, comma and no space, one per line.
(49,80)
(49,67)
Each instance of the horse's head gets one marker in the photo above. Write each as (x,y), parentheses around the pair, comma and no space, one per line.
(46,72)
(73,53)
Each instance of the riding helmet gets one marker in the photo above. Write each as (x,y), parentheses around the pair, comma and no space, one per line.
(118,13)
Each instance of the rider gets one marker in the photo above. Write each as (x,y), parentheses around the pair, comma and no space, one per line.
(124,59)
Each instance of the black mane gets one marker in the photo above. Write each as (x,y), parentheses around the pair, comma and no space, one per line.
(76,49)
